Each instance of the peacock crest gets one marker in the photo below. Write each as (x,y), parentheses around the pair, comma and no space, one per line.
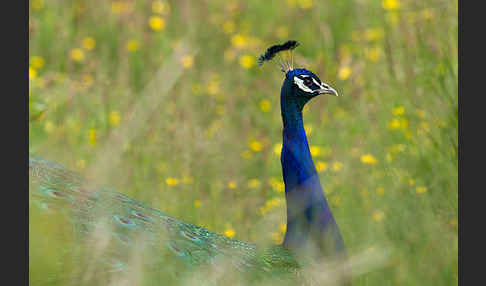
(286,63)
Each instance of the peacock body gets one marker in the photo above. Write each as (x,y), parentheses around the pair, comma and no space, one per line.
(312,234)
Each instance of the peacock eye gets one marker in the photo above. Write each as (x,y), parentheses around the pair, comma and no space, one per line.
(304,83)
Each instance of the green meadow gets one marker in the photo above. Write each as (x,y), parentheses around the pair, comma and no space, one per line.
(165,102)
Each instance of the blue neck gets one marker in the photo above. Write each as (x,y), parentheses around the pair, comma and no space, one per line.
(309,218)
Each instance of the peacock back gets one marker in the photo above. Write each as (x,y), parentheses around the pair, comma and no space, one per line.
(125,227)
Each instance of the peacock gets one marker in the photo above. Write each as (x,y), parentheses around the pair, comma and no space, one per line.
(312,235)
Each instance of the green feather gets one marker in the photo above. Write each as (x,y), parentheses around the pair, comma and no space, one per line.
(128,222)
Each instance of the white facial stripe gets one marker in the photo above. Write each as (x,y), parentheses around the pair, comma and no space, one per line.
(317,83)
(300,83)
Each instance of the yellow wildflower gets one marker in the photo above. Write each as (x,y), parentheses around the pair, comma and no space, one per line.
(315,151)
(368,159)
(277,149)
(265,105)
(156,23)
(187,61)
(37,62)
(172,181)
(256,146)
(213,87)
(272,181)
(232,185)
(411,182)
(400,110)
(420,190)
(32,73)
(394,124)
(283,227)
(321,166)
(337,166)
(390,4)
(254,183)
(197,203)
(305,4)
(344,73)
(239,41)
(229,232)
(229,27)
(427,14)
(92,138)
(276,185)
(89,43)
(378,215)
(77,55)
(247,61)
(279,187)
(275,202)
(380,191)
(114,118)
(132,46)
(373,54)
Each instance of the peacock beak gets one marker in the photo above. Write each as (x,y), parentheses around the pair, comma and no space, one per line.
(328,90)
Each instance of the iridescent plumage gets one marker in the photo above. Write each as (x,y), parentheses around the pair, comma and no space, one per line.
(54,186)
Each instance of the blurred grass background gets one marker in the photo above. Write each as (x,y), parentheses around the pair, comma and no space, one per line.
(208,152)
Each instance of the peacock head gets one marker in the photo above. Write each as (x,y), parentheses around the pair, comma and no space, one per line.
(304,84)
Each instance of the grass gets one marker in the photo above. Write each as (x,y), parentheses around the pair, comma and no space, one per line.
(163,100)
